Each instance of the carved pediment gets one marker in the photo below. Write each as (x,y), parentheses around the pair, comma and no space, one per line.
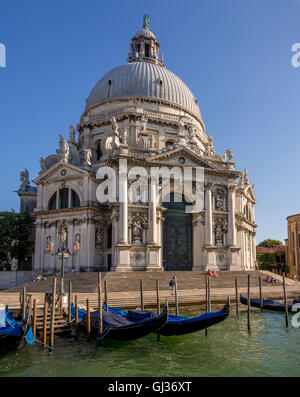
(60,171)
(182,157)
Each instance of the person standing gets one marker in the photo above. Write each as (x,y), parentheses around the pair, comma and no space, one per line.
(172,284)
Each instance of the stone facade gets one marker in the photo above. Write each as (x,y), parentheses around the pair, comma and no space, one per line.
(292,245)
(143,114)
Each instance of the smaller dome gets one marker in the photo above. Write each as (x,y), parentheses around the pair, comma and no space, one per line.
(144,33)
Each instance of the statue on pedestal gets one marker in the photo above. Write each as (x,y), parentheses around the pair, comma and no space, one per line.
(87,156)
(137,229)
(43,165)
(72,134)
(24,178)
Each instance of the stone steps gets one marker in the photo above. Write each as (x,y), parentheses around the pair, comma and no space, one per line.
(129,281)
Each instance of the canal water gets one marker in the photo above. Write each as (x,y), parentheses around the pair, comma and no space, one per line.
(228,350)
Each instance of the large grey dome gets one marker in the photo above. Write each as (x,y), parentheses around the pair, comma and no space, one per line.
(143,79)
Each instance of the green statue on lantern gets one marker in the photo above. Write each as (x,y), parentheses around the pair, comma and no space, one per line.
(146,22)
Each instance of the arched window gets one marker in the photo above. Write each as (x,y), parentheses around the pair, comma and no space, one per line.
(67,198)
(98,151)
(52,202)
(63,198)
(75,199)
(169,144)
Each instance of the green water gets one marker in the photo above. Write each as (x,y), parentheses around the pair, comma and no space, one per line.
(228,350)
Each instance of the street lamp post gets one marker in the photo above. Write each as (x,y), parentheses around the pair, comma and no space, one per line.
(63,253)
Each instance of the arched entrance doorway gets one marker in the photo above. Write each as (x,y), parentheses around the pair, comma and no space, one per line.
(177,236)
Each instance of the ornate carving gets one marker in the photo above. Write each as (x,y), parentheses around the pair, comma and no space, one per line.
(99,238)
(137,257)
(220,230)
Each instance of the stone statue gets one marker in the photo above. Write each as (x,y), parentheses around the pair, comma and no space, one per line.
(219,202)
(192,134)
(123,136)
(112,143)
(219,235)
(240,184)
(99,238)
(229,154)
(137,231)
(87,156)
(224,156)
(144,123)
(246,179)
(152,142)
(72,134)
(24,178)
(209,147)
(64,151)
(43,165)
(115,127)
(61,139)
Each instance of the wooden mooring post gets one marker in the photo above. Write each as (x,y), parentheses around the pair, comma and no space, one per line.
(176,296)
(51,343)
(76,315)
(249,306)
(23,303)
(260,295)
(34,319)
(88,320)
(61,297)
(142,293)
(45,324)
(106,295)
(207,304)
(286,309)
(157,306)
(70,302)
(236,298)
(100,312)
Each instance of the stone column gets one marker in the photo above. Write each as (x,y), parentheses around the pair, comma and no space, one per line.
(152,213)
(70,244)
(231,216)
(86,138)
(208,215)
(88,231)
(123,215)
(38,246)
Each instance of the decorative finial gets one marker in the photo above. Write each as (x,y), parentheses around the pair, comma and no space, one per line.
(146,22)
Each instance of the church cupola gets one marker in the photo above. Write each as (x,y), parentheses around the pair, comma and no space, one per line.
(144,46)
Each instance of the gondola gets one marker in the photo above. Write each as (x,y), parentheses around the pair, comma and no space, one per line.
(12,332)
(177,325)
(120,328)
(269,304)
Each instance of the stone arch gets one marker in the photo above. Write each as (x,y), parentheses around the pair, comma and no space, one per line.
(52,195)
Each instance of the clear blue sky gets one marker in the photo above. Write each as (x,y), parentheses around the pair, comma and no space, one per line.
(235,55)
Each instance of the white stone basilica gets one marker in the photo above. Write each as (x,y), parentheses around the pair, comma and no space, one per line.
(142,113)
